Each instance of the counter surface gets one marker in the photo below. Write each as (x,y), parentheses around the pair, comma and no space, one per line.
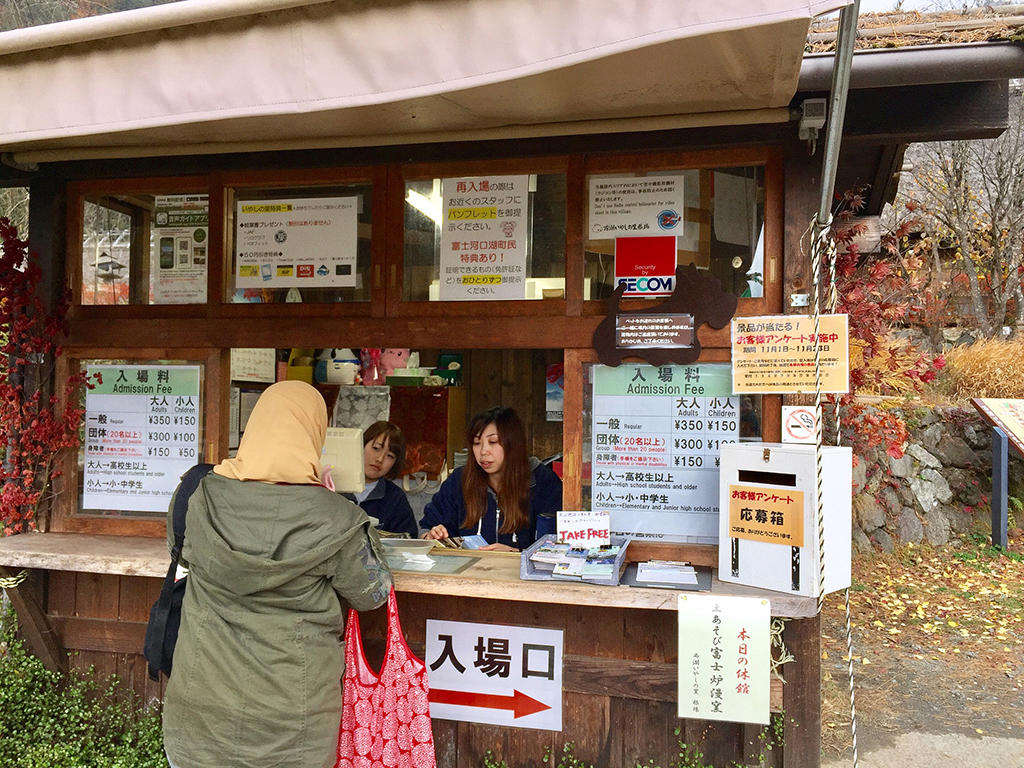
(494,577)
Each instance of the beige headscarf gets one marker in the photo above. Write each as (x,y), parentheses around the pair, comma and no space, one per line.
(283,438)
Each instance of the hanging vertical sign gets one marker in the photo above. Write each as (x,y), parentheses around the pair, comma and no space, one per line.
(657,432)
(178,253)
(296,243)
(724,658)
(141,434)
(497,674)
(484,236)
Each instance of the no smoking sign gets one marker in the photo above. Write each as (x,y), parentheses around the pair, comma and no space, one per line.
(797,424)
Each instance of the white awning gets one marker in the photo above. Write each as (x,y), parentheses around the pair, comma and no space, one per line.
(219,75)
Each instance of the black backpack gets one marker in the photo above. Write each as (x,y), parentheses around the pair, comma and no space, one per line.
(165,615)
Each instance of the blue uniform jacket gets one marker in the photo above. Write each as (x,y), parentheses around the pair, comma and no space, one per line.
(447,508)
(388,503)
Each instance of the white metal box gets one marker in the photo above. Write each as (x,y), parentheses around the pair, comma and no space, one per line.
(768,521)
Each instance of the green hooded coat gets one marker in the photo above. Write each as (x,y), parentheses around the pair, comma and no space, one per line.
(260,657)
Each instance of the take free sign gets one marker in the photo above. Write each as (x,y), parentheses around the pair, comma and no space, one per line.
(587,528)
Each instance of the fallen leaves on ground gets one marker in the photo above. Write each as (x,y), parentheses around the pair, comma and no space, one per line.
(938,601)
(934,631)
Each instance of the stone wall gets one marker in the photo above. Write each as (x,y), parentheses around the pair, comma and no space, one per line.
(939,490)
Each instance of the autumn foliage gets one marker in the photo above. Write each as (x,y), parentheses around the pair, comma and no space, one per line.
(878,294)
(34,426)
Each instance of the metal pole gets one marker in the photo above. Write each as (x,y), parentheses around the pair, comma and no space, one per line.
(837,106)
(1000,456)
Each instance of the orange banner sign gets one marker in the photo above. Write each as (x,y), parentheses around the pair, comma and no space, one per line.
(774,515)
(775,355)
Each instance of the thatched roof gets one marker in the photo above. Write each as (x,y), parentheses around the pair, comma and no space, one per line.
(904,29)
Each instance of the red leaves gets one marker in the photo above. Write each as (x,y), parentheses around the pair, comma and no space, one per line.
(33,429)
(878,293)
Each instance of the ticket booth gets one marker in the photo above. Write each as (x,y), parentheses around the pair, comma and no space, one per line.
(478,197)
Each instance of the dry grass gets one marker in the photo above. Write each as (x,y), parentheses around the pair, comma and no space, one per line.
(991,368)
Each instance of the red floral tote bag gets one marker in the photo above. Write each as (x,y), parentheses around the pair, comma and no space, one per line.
(385,719)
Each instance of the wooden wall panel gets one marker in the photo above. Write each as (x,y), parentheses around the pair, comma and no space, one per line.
(587,724)
(96,595)
(619,674)
(61,593)
(642,730)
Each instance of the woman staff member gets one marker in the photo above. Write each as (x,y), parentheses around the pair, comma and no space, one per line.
(383,458)
(500,493)
(274,561)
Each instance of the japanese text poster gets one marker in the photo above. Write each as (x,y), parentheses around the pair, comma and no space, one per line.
(496,674)
(303,243)
(248,364)
(657,432)
(763,514)
(724,658)
(484,234)
(178,249)
(775,354)
(141,435)
(635,206)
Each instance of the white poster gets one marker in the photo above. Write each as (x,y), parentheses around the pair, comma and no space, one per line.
(302,243)
(141,435)
(495,674)
(484,234)
(724,658)
(635,206)
(178,249)
(657,432)
(254,364)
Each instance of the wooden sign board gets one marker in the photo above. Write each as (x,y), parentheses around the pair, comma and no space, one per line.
(653,331)
(1008,415)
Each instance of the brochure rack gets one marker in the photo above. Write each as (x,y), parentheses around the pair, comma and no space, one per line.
(529,571)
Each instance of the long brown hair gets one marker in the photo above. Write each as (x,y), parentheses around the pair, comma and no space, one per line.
(395,441)
(514,494)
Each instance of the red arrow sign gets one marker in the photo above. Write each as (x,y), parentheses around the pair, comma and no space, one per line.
(519,703)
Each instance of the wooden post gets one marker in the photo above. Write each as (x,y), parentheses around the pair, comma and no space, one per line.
(36,630)
(801,695)
(1000,457)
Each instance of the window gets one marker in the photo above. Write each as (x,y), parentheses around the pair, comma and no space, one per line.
(642,225)
(473,238)
(309,245)
(144,249)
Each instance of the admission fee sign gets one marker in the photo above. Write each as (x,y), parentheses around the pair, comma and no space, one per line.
(301,243)
(484,234)
(141,435)
(495,674)
(724,658)
(775,354)
(657,432)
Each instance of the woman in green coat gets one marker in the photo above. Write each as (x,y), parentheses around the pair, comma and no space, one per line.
(275,560)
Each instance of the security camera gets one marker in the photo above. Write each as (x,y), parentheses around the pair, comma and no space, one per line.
(812,118)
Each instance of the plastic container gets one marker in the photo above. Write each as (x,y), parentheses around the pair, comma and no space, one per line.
(408,546)
(528,571)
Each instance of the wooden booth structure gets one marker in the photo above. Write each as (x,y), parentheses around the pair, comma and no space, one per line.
(128,116)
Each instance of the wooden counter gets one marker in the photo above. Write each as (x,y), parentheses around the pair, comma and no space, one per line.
(494,577)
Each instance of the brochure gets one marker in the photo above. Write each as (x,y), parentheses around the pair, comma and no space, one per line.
(666,572)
